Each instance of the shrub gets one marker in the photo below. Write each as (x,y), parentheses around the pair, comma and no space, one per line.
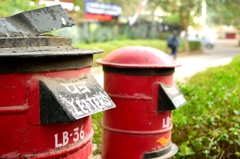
(208,126)
(164,35)
(195,45)
(87,33)
(97,127)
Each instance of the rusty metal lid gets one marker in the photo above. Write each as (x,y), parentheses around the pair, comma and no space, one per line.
(23,48)
(138,57)
(40,46)
(42,53)
(20,34)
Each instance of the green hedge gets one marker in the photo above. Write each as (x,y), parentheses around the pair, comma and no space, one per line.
(209,125)
(194,45)
(164,35)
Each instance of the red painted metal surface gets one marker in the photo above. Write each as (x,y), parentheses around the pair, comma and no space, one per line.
(138,57)
(135,126)
(22,135)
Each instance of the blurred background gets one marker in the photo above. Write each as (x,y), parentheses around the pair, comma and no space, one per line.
(108,20)
(208,126)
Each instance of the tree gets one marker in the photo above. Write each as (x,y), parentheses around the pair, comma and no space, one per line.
(225,12)
(184,8)
(153,5)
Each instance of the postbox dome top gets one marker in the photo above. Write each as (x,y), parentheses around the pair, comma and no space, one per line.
(138,57)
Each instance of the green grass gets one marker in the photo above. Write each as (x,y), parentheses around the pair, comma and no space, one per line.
(208,126)
(110,46)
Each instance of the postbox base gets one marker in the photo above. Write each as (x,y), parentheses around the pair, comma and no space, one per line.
(164,153)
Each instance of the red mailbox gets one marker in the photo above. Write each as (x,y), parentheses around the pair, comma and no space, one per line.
(139,80)
(47,93)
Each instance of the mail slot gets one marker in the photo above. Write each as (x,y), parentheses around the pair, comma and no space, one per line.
(46,88)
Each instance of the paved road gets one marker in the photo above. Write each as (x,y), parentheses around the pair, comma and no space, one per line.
(221,54)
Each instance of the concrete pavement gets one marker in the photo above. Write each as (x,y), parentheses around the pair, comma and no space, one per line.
(221,54)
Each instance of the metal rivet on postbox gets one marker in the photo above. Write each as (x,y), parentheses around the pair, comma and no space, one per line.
(47,91)
(139,80)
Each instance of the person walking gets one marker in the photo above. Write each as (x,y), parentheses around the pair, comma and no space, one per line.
(173,43)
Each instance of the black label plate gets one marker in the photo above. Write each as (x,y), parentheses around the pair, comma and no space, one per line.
(64,100)
(170,97)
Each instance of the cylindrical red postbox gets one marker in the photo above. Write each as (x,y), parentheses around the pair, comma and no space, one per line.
(47,95)
(139,80)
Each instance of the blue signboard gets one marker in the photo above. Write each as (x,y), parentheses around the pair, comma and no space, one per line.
(92,7)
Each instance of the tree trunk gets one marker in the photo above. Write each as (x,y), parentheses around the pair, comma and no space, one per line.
(185,23)
(186,41)
(153,26)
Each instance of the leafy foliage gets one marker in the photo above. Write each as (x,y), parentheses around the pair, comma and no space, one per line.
(11,7)
(175,19)
(195,45)
(230,10)
(172,19)
(97,127)
(184,9)
(208,126)
(93,32)
(87,33)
